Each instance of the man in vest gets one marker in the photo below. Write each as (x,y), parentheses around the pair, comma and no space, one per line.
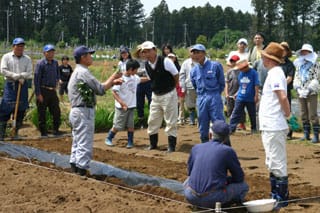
(164,77)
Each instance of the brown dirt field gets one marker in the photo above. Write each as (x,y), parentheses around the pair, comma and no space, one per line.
(39,187)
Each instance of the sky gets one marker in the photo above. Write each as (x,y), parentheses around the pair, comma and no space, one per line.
(243,5)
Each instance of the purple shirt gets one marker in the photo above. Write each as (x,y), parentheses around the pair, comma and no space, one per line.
(208,165)
(46,74)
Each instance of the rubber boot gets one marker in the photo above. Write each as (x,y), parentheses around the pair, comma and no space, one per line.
(130,140)
(273,184)
(306,131)
(282,193)
(315,138)
(108,140)
(192,117)
(172,141)
(16,135)
(289,135)
(3,127)
(153,141)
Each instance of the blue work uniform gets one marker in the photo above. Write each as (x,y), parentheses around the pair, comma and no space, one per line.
(208,181)
(208,80)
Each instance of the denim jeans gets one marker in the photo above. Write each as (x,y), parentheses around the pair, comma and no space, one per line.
(234,192)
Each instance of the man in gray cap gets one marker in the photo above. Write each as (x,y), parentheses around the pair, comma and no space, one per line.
(83,88)
(16,67)
(208,79)
(208,166)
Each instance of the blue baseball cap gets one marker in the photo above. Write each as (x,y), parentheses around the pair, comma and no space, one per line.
(48,48)
(17,41)
(82,50)
(220,127)
(199,47)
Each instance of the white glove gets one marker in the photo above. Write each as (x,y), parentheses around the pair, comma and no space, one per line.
(21,81)
(183,89)
(15,76)
(303,93)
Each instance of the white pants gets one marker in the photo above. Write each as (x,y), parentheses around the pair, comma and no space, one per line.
(82,121)
(274,143)
(163,107)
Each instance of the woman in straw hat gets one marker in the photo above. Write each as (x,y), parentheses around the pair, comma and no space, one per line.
(273,111)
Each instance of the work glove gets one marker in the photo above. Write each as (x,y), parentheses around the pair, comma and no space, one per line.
(15,76)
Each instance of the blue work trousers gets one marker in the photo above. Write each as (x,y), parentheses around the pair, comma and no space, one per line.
(210,108)
(238,112)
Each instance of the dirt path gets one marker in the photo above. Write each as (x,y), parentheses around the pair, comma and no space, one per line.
(47,191)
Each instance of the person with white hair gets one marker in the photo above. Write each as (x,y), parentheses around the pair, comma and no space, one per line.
(306,82)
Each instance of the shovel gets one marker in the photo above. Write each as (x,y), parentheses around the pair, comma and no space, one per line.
(14,122)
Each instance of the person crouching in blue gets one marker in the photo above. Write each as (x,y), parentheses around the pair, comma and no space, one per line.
(208,166)
(207,78)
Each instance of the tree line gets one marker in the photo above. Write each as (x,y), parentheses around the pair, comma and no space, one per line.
(116,22)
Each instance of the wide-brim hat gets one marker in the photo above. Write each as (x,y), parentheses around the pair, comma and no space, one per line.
(286,46)
(242,64)
(307,47)
(137,51)
(274,51)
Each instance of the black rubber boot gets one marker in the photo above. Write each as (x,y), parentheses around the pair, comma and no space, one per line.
(273,184)
(74,168)
(18,126)
(282,193)
(3,127)
(172,141)
(306,131)
(153,141)
(315,138)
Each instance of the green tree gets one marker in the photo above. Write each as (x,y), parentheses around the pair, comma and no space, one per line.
(202,39)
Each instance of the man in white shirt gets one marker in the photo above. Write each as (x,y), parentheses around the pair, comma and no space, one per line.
(164,77)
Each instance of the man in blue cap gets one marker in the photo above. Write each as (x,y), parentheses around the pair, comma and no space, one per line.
(208,167)
(83,88)
(208,79)
(16,67)
(46,78)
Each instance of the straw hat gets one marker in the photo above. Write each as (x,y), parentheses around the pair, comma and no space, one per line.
(242,65)
(274,51)
(286,46)
(137,51)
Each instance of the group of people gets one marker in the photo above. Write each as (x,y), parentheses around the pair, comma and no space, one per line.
(198,84)
(16,67)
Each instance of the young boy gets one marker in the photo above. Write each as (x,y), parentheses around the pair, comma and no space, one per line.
(125,102)
(247,95)
(231,89)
